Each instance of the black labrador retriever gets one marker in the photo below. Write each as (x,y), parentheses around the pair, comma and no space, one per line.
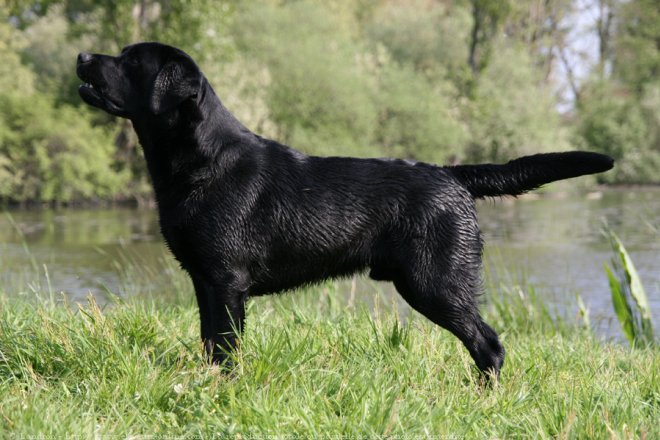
(247,216)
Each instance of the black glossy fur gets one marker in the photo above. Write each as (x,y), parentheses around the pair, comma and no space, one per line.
(248,216)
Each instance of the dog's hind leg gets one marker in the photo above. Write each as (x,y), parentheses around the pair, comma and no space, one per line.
(443,287)
(456,310)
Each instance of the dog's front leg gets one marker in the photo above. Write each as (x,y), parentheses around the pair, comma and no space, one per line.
(221,313)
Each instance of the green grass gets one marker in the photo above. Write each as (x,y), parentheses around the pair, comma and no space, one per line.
(311,367)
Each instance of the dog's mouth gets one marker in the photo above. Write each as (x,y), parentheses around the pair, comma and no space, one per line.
(95,96)
(88,91)
(87,86)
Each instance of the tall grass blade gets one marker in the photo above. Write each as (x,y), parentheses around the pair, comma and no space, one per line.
(583,311)
(621,307)
(628,296)
(636,290)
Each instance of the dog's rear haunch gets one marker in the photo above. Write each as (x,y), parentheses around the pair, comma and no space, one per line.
(248,216)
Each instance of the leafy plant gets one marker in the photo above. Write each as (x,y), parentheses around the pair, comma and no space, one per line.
(628,297)
(55,153)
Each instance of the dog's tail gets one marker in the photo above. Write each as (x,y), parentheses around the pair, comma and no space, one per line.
(529,172)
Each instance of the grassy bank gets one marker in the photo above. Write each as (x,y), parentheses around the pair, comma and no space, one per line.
(310,366)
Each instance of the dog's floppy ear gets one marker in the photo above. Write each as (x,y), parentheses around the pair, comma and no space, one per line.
(178,80)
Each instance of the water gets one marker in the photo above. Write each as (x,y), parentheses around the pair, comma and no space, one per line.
(556,244)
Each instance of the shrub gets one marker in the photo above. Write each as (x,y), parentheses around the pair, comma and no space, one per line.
(614,123)
(50,153)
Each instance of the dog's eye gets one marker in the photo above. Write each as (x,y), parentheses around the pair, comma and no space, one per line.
(132,61)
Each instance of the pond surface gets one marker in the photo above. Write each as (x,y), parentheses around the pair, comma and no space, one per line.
(554,244)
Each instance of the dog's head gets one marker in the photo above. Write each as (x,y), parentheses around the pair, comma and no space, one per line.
(145,77)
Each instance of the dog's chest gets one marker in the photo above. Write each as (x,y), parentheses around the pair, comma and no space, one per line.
(175,238)
(186,244)
(200,241)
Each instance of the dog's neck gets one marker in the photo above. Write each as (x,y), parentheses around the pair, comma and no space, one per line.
(202,118)
(204,126)
(214,125)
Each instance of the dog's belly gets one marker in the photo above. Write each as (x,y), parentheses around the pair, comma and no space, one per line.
(286,271)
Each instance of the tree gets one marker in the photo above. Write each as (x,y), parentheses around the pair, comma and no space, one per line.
(487,18)
(50,153)
(511,113)
(319,97)
(50,51)
(612,122)
(618,113)
(13,74)
(637,46)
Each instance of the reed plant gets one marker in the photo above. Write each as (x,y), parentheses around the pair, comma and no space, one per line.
(629,299)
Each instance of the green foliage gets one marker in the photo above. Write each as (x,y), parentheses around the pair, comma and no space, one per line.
(433,81)
(319,98)
(510,114)
(627,129)
(50,52)
(416,118)
(637,52)
(47,152)
(328,94)
(53,153)
(628,297)
(14,75)
(618,115)
(431,38)
(488,16)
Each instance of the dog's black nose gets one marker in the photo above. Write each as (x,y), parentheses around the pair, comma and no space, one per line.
(84,57)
